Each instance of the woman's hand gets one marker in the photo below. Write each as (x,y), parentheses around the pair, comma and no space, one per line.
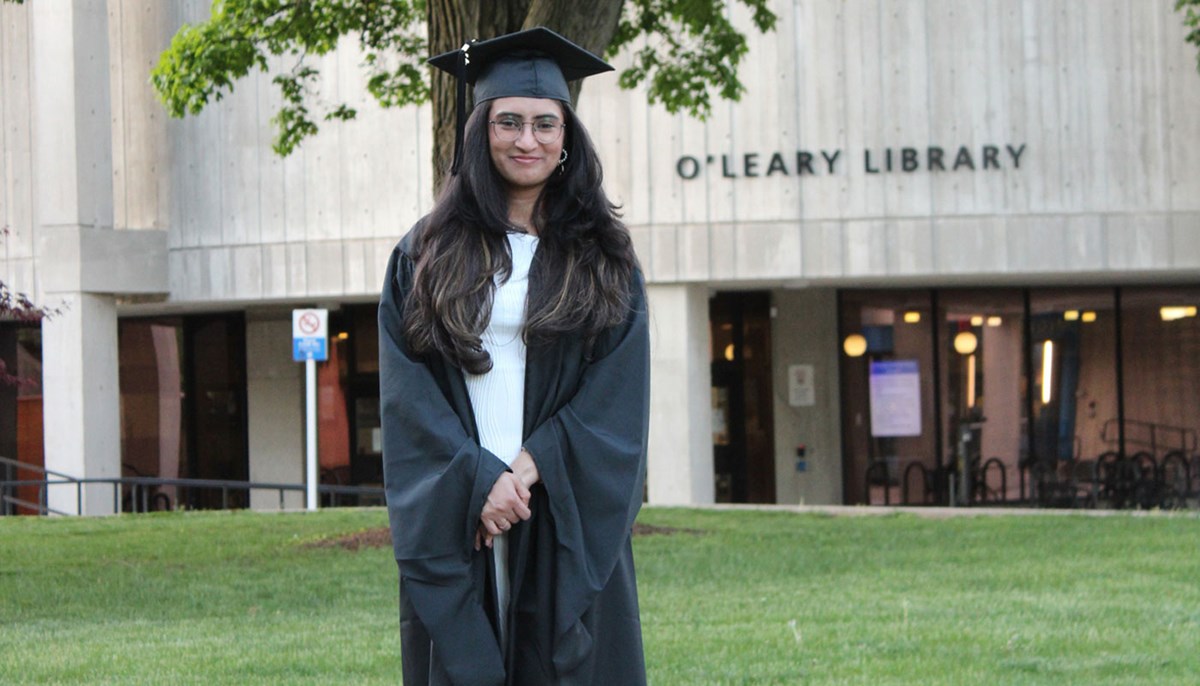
(482,537)
(526,469)
(493,520)
(507,504)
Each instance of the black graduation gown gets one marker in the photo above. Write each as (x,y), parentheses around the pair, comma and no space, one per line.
(574,612)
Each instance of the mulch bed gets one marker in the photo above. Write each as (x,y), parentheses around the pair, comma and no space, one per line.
(381,537)
(651,530)
(369,538)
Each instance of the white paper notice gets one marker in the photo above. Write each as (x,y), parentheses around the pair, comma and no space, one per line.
(802,392)
(895,398)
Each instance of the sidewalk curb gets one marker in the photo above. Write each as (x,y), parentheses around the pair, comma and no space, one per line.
(930,512)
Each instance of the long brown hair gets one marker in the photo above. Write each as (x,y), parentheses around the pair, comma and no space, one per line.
(581,275)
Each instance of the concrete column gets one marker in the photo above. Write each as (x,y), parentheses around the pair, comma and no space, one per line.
(72,196)
(81,399)
(804,332)
(72,130)
(681,451)
(275,397)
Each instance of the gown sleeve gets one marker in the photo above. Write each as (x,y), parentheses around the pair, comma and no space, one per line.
(436,474)
(436,478)
(591,456)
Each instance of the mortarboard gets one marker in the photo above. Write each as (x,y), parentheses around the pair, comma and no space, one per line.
(535,63)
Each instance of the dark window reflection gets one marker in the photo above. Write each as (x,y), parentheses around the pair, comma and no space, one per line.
(1160,333)
(1064,397)
(983,413)
(888,419)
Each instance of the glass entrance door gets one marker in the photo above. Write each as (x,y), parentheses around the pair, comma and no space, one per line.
(743,417)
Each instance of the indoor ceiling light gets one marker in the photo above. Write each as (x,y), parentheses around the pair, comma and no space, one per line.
(965,343)
(994,321)
(1088,317)
(1071,315)
(1047,371)
(1172,313)
(912,317)
(855,345)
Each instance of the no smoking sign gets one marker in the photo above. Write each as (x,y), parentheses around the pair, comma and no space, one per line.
(309,324)
(310,335)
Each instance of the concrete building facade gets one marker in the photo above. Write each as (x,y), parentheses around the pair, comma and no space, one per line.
(896,172)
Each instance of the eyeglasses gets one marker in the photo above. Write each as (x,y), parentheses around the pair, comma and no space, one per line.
(546,131)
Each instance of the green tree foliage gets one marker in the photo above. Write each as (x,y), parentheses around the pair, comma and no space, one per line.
(1191,19)
(684,47)
(205,59)
(690,46)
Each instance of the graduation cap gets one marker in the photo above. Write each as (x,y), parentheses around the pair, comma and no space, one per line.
(535,63)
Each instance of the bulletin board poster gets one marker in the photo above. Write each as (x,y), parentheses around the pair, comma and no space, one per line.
(895,398)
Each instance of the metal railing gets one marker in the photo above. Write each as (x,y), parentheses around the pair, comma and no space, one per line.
(142,491)
(1157,437)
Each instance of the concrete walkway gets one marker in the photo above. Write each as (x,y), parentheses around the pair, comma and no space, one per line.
(937,512)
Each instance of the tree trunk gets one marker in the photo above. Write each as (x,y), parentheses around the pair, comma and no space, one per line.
(591,29)
(453,22)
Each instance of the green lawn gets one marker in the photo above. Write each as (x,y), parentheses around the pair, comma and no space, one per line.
(750,598)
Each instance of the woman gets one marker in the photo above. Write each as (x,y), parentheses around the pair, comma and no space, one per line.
(514,380)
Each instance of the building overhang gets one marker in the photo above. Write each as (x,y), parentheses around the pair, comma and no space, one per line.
(81,259)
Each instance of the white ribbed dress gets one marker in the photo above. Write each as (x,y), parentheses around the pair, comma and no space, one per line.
(498,397)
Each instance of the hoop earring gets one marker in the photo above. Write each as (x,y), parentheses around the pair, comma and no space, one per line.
(562,160)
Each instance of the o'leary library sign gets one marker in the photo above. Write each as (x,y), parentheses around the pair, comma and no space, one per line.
(874,161)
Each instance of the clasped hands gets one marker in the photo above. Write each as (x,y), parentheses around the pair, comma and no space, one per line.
(508,501)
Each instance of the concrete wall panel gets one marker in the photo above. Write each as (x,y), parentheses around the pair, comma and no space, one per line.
(16,154)
(1098,98)
(1185,240)
(910,246)
(1138,242)
(822,249)
(970,246)
(325,268)
(275,270)
(664,253)
(275,411)
(1182,95)
(297,269)
(695,259)
(247,271)
(865,248)
(769,250)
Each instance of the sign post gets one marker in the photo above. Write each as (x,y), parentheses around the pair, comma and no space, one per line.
(310,344)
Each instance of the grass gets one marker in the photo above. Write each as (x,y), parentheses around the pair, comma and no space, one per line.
(752,598)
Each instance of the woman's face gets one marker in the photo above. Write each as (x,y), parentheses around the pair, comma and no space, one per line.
(525,163)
